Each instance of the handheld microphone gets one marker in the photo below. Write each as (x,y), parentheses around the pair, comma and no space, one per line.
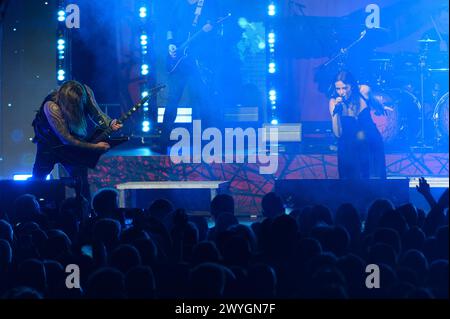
(339,106)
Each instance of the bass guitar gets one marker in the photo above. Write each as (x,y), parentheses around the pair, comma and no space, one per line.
(182,50)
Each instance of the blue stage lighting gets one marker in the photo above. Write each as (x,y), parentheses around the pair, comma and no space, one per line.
(271,10)
(274,122)
(272,67)
(144,69)
(61,15)
(143,12)
(145,126)
(24,177)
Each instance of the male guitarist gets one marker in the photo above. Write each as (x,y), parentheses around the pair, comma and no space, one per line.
(191,48)
(62,120)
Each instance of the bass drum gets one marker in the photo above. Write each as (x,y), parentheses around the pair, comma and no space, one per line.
(400,123)
(440,117)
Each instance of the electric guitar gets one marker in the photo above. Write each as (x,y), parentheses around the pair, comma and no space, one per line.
(182,50)
(89,158)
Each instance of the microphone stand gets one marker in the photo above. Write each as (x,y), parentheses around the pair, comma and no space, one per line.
(422,64)
(344,51)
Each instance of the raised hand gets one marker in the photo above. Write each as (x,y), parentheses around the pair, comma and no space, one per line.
(423,187)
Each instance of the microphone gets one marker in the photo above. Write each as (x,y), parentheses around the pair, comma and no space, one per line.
(339,106)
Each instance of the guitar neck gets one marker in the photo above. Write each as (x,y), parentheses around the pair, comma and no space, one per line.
(197,33)
(186,43)
(107,131)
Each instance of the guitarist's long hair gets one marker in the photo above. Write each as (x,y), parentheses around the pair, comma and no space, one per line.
(71,98)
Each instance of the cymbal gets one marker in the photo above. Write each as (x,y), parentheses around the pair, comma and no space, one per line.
(426,40)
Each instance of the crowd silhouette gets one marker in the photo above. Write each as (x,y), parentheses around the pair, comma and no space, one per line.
(162,252)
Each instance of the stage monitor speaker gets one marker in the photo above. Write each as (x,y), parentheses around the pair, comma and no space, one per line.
(332,192)
(50,193)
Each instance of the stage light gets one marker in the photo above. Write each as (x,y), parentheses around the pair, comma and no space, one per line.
(61,15)
(25,177)
(143,12)
(61,42)
(271,10)
(61,75)
(272,67)
(145,126)
(271,58)
(144,69)
(144,40)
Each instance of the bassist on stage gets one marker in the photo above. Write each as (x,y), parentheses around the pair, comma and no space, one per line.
(192,43)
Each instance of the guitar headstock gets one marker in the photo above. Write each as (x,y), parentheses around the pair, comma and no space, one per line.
(223,18)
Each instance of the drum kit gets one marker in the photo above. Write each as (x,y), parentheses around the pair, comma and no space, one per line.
(413,89)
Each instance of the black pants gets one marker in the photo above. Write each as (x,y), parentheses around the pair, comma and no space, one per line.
(45,161)
(361,159)
(187,75)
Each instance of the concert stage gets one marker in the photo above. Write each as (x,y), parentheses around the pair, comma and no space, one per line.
(246,184)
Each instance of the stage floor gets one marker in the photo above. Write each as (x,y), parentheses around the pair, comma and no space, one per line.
(246,183)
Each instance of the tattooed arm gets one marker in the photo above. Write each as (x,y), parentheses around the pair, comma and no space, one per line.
(97,115)
(94,110)
(59,126)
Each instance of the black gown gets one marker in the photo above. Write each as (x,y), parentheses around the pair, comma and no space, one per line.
(360,148)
